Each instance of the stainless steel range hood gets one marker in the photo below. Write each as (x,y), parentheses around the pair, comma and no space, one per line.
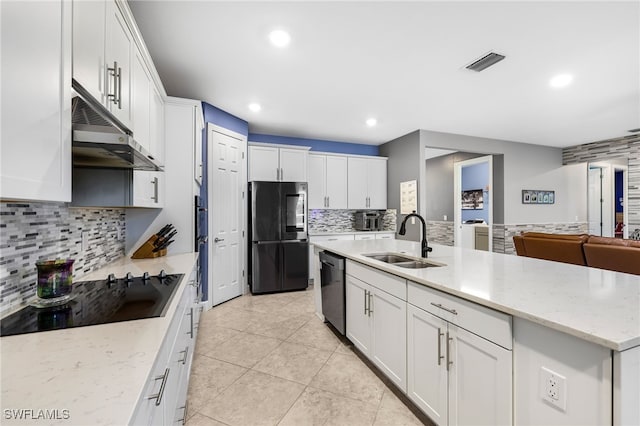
(101,141)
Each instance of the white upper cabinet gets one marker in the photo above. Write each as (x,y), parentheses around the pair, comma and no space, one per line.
(293,165)
(141,97)
(35,133)
(156,125)
(183,124)
(316,181)
(264,163)
(148,189)
(89,65)
(119,48)
(327,181)
(276,164)
(367,183)
(114,67)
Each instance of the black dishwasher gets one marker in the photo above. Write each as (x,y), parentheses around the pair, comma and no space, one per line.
(333,292)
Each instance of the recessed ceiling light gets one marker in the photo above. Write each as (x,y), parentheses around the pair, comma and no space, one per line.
(280,38)
(371,122)
(255,107)
(561,80)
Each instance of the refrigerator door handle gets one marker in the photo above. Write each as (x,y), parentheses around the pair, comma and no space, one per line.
(292,241)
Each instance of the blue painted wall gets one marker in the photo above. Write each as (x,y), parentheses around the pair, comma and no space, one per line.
(318,144)
(476,177)
(619,190)
(223,119)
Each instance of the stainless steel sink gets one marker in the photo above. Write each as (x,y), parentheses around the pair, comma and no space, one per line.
(389,257)
(402,261)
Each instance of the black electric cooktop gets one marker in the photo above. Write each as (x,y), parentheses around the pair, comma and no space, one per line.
(98,302)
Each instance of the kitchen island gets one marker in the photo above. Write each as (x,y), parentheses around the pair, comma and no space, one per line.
(92,375)
(555,321)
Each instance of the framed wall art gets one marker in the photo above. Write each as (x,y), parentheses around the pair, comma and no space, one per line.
(536,196)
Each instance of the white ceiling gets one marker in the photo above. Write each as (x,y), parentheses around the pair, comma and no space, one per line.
(403,63)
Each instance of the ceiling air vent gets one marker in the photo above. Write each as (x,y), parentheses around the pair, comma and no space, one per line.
(485,62)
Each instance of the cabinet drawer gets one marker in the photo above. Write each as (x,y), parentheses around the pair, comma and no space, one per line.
(340,237)
(393,285)
(365,237)
(487,323)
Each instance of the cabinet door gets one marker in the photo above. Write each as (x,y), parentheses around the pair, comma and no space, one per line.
(198,167)
(148,189)
(337,182)
(263,163)
(140,97)
(156,128)
(316,181)
(357,187)
(118,51)
(88,46)
(389,336)
(480,389)
(293,165)
(377,183)
(426,368)
(358,320)
(35,133)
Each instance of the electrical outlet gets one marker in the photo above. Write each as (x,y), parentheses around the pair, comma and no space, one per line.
(85,240)
(553,388)
(444,217)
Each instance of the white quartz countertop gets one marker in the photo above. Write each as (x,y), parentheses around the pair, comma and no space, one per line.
(96,372)
(318,234)
(596,305)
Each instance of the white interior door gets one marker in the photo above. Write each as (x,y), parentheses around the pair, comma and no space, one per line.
(601,200)
(226,216)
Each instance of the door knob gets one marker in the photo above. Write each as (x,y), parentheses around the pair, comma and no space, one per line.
(217,240)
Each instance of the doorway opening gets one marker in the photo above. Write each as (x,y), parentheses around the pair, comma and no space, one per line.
(473,197)
(607,198)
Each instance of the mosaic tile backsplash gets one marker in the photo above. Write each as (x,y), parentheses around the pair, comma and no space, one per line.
(321,220)
(45,231)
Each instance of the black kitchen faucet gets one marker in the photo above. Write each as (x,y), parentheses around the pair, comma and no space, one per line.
(403,230)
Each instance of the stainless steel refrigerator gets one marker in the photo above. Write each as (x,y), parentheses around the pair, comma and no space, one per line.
(278,258)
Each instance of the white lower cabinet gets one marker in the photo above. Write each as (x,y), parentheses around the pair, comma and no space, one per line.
(456,376)
(376,324)
(164,398)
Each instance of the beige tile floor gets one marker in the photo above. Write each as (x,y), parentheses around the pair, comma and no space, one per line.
(269,360)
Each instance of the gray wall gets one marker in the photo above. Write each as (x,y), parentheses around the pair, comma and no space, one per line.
(525,166)
(404,164)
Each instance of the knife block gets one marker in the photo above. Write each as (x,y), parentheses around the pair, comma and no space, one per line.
(145,251)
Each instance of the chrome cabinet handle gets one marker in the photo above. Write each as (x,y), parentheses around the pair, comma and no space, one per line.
(217,240)
(440,356)
(365,302)
(281,174)
(185,407)
(113,71)
(190,332)
(449,362)
(439,305)
(328,201)
(158,396)
(155,190)
(119,88)
(186,355)
(277,173)
(370,303)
